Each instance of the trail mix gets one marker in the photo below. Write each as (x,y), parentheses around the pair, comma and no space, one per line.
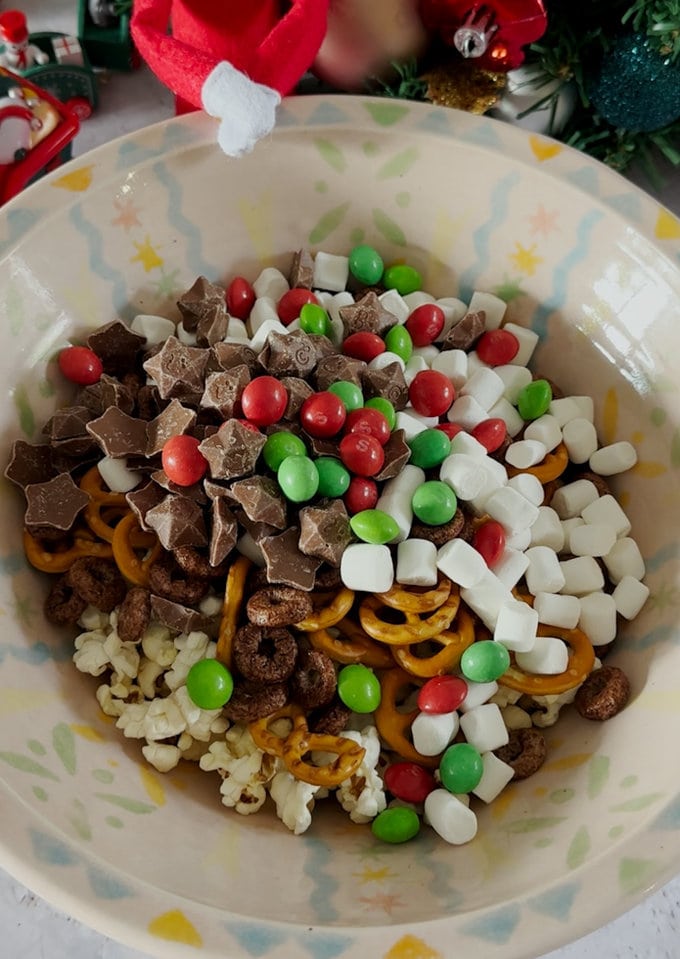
(330,536)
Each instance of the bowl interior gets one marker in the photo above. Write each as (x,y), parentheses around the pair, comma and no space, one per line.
(582,257)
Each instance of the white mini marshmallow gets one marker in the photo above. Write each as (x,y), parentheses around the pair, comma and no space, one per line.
(485,386)
(429,422)
(495,778)
(516,627)
(188,337)
(630,596)
(396,497)
(580,438)
(606,510)
(393,302)
(271,283)
(511,566)
(549,657)
(624,559)
(592,539)
(367,566)
(417,562)
(546,430)
(410,424)
(465,474)
(492,305)
(582,575)
(477,693)
(476,363)
(525,453)
(528,486)
(544,574)
(527,340)
(461,563)
(515,378)
(467,412)
(384,359)
(417,298)
(116,474)
(247,546)
(598,618)
(264,308)
(483,727)
(568,527)
(454,364)
(486,597)
(417,364)
(465,443)
(495,478)
(336,334)
(428,353)
(511,509)
(572,498)
(261,335)
(555,609)
(432,732)
(616,458)
(520,539)
(570,407)
(451,819)
(331,272)
(504,410)
(237,331)
(156,329)
(547,530)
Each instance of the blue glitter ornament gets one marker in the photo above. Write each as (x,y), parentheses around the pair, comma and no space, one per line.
(635,87)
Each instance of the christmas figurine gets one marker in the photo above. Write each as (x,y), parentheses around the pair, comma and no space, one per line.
(237,58)
(18,54)
(17,124)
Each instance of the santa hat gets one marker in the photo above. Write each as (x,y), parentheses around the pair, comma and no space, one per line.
(13,27)
(235,59)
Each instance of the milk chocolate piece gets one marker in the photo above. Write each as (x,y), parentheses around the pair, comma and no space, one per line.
(108,391)
(302,270)
(199,302)
(338,367)
(224,530)
(178,618)
(262,500)
(286,563)
(288,354)
(174,420)
(67,423)
(223,390)
(29,463)
(322,346)
(323,447)
(298,391)
(177,369)
(149,402)
(233,451)
(116,346)
(217,490)
(397,454)
(465,333)
(325,531)
(144,498)
(388,382)
(194,492)
(366,315)
(81,447)
(55,504)
(178,521)
(213,327)
(258,531)
(118,434)
(226,356)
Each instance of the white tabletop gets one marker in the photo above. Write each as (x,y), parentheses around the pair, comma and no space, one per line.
(31,928)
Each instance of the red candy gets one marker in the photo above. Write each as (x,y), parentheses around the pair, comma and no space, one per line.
(183,462)
(361,494)
(323,414)
(369,421)
(363,346)
(489,540)
(409,781)
(497,347)
(240,298)
(291,303)
(442,694)
(490,433)
(431,393)
(451,429)
(362,454)
(80,365)
(264,400)
(425,324)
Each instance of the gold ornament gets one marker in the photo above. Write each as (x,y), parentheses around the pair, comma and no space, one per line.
(458,84)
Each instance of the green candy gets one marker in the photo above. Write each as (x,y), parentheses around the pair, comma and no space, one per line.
(385,407)
(334,478)
(359,688)
(209,684)
(374,526)
(484,661)
(434,503)
(429,448)
(402,278)
(395,825)
(314,319)
(280,445)
(461,768)
(398,340)
(349,393)
(366,265)
(534,400)
(298,478)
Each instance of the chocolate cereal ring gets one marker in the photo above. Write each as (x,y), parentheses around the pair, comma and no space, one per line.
(331,719)
(440,534)
(251,701)
(134,614)
(314,681)
(168,580)
(98,581)
(264,655)
(196,564)
(279,606)
(525,752)
(603,694)
(63,605)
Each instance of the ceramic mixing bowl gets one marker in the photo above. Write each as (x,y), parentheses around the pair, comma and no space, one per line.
(583,258)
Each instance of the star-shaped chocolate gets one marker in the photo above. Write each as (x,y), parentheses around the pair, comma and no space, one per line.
(195,492)
(115,393)
(366,315)
(67,423)
(285,563)
(388,382)
(233,451)
(118,434)
(213,326)
(338,367)
(178,618)
(177,369)
(302,270)
(397,454)
(464,334)
(325,531)
(172,421)
(223,390)
(288,354)
(55,504)
(199,301)
(228,355)
(298,390)
(262,500)
(29,463)
(144,498)
(178,521)
(116,346)
(224,531)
